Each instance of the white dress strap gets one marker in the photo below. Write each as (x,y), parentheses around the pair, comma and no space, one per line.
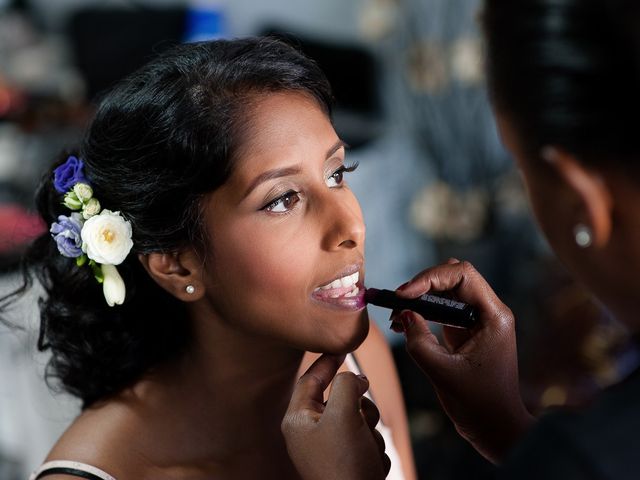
(352,366)
(67,467)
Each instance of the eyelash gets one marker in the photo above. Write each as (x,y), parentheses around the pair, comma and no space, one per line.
(281,198)
(340,171)
(345,169)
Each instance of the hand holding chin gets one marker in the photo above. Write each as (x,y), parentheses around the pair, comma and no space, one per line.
(335,439)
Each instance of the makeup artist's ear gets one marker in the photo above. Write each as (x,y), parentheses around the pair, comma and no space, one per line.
(179,273)
(595,202)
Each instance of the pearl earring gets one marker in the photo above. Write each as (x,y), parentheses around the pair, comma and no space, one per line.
(190,289)
(583,235)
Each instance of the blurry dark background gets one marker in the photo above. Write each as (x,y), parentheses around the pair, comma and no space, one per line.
(434,182)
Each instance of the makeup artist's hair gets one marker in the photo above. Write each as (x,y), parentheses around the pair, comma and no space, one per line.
(567,73)
(160,140)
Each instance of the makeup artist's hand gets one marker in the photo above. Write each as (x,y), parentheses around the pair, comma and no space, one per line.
(474,372)
(337,440)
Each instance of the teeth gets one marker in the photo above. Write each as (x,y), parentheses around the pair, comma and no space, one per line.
(352,293)
(343,282)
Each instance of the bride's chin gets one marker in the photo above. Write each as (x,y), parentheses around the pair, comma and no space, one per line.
(348,345)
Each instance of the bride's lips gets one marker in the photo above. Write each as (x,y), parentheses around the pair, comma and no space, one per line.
(344,291)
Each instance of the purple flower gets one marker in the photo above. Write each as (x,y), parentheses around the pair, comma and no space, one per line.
(66,233)
(68,174)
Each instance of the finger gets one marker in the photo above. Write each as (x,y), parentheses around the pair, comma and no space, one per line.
(396,326)
(308,392)
(462,277)
(377,436)
(343,404)
(439,278)
(370,412)
(423,346)
(453,261)
(386,461)
(455,338)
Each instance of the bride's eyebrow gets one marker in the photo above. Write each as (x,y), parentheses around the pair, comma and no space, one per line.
(287,171)
(338,145)
(271,174)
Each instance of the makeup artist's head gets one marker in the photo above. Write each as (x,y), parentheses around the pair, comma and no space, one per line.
(223,157)
(564,78)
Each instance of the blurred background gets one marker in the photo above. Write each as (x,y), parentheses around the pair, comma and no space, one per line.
(434,182)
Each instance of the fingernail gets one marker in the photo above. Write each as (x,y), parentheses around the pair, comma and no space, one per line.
(407,320)
(396,327)
(403,286)
(364,384)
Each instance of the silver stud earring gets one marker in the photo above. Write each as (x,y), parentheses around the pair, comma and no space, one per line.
(583,235)
(190,289)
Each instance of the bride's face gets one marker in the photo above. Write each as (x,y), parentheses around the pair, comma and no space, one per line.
(287,234)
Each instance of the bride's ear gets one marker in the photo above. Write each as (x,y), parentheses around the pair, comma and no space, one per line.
(179,273)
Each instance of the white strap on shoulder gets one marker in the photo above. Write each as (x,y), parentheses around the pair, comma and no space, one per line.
(352,366)
(74,466)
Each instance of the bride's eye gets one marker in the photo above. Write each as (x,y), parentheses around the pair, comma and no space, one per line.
(337,177)
(284,203)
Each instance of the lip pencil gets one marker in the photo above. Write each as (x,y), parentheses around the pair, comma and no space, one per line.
(431,307)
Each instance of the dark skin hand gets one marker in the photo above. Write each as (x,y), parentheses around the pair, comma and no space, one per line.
(335,439)
(474,372)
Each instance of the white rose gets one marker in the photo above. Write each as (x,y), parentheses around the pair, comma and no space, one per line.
(113,286)
(106,238)
(91,208)
(83,191)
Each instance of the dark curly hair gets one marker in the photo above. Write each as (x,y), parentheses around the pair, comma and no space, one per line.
(566,73)
(160,140)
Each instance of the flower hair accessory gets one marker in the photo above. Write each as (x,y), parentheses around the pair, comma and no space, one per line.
(90,234)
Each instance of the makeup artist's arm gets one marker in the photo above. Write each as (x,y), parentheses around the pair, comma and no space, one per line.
(337,440)
(474,373)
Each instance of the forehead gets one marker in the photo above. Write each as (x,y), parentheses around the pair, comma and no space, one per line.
(282,128)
